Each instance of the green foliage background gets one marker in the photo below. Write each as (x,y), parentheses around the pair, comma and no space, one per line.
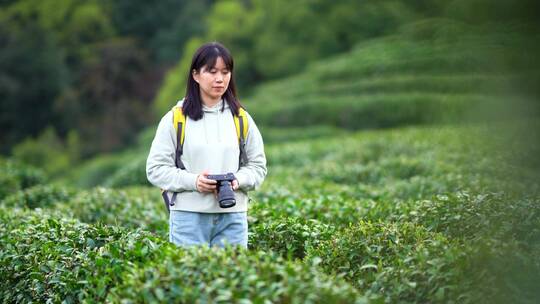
(400,136)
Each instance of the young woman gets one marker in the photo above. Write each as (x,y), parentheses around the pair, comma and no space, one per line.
(210,146)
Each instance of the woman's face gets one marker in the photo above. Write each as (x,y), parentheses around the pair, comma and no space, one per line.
(213,82)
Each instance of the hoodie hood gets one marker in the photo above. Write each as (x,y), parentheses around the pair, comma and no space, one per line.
(217,107)
(213,120)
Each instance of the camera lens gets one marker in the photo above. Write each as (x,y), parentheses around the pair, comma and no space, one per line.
(226,195)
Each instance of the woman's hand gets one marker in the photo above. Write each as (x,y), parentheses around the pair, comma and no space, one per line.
(209,185)
(204,184)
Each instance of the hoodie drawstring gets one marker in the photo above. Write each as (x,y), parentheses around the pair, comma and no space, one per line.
(216,108)
(218,121)
(205,127)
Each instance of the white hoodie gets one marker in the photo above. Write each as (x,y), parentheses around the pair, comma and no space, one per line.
(210,143)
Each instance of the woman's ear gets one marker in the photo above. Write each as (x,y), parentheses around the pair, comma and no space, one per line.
(195,75)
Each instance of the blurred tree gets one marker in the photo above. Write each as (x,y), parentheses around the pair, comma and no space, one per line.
(163,27)
(46,151)
(173,87)
(44,43)
(427,8)
(289,35)
(109,105)
(32,73)
(6,2)
(271,39)
(292,34)
(236,25)
(142,19)
(495,11)
(169,41)
(74,24)
(353,21)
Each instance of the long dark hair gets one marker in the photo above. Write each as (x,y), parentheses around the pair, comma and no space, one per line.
(207,55)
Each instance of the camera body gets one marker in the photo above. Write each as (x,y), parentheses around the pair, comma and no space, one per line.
(225,192)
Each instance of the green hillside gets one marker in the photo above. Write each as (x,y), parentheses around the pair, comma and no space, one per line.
(403,80)
(423,75)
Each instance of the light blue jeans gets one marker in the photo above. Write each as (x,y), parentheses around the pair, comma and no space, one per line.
(213,229)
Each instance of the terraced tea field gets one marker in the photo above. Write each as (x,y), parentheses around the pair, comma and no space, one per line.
(426,214)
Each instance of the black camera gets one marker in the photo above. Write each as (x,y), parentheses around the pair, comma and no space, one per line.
(224,189)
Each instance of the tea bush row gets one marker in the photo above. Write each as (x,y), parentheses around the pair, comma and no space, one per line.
(130,207)
(394,261)
(15,176)
(289,236)
(457,215)
(39,196)
(131,173)
(473,216)
(232,276)
(43,258)
(55,259)
(410,163)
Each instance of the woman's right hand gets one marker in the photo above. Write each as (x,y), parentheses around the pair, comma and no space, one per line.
(204,184)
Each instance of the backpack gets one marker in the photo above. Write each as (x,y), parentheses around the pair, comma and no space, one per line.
(179,123)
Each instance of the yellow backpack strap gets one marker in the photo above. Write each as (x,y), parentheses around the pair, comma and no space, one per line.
(241,123)
(179,123)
